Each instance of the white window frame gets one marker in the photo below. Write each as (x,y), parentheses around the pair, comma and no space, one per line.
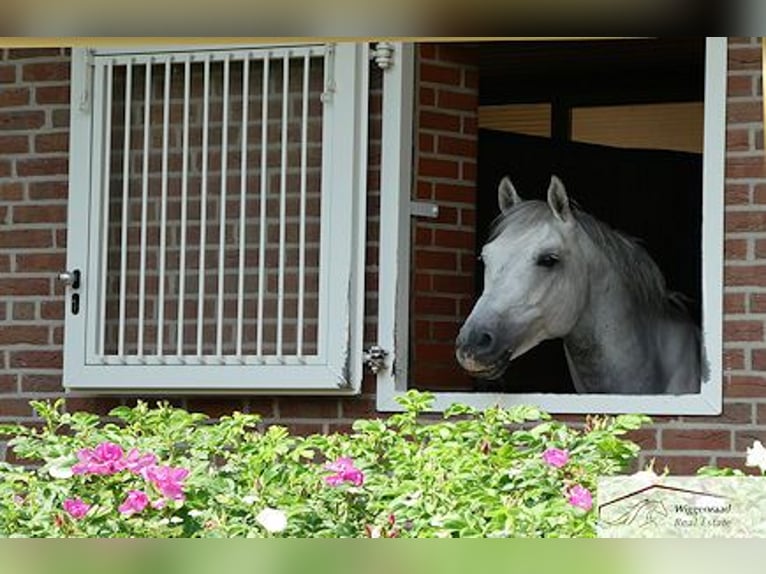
(337,368)
(395,267)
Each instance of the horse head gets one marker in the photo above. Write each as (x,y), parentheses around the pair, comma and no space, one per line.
(535,284)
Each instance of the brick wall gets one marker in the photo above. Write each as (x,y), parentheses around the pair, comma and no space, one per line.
(443,249)
(34,112)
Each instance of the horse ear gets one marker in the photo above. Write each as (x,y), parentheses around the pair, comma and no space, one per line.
(506,195)
(558,200)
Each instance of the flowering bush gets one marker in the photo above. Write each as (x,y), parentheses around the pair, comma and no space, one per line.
(164,472)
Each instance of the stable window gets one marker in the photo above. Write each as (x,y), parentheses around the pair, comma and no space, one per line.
(539,111)
(215,238)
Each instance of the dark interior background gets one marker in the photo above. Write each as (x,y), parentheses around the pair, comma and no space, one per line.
(652,195)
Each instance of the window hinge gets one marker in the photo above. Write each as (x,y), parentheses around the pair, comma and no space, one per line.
(375,358)
(383,54)
(329,79)
(424,209)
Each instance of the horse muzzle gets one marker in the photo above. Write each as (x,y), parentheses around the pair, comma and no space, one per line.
(481,353)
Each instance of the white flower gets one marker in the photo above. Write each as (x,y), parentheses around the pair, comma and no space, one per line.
(272,519)
(756,456)
(61,468)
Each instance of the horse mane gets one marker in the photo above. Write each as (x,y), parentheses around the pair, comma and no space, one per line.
(641,276)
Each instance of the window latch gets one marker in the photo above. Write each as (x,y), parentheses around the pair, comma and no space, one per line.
(375,358)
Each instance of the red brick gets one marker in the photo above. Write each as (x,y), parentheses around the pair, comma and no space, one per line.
(455,193)
(739,85)
(52,94)
(42,166)
(745,58)
(425,259)
(645,438)
(15,408)
(25,53)
(439,74)
(470,125)
(426,143)
(461,147)
(427,96)
(432,305)
(45,72)
(425,190)
(758,303)
(439,121)
(745,386)
(36,359)
(750,275)
(10,97)
(11,191)
(14,144)
(471,79)
(96,405)
(760,249)
(215,407)
(308,407)
(456,239)
(447,169)
(461,101)
(5,168)
(23,310)
(739,413)
(24,286)
(737,139)
(5,263)
(21,120)
(743,112)
(8,384)
(7,74)
(734,302)
(39,213)
(758,359)
(48,190)
(680,465)
(46,143)
(739,194)
(23,334)
(422,283)
(738,167)
(743,330)
(468,171)
(733,359)
(60,118)
(37,262)
(34,383)
(25,238)
(439,352)
(52,310)
(358,407)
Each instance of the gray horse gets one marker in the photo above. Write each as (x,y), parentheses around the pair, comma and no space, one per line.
(553,271)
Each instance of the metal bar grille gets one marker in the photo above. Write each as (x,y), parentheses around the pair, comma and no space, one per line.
(211,247)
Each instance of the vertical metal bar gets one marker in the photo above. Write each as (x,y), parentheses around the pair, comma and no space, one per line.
(264,190)
(203,206)
(184,198)
(144,202)
(242,201)
(282,204)
(163,209)
(222,209)
(302,230)
(106,199)
(125,199)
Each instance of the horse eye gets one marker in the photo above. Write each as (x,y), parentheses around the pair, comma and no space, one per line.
(547,260)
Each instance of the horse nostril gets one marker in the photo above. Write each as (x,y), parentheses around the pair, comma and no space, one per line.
(485,342)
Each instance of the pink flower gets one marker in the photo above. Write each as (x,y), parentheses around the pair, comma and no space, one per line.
(76,507)
(136,462)
(345,471)
(167,479)
(580,497)
(556,457)
(134,503)
(106,458)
